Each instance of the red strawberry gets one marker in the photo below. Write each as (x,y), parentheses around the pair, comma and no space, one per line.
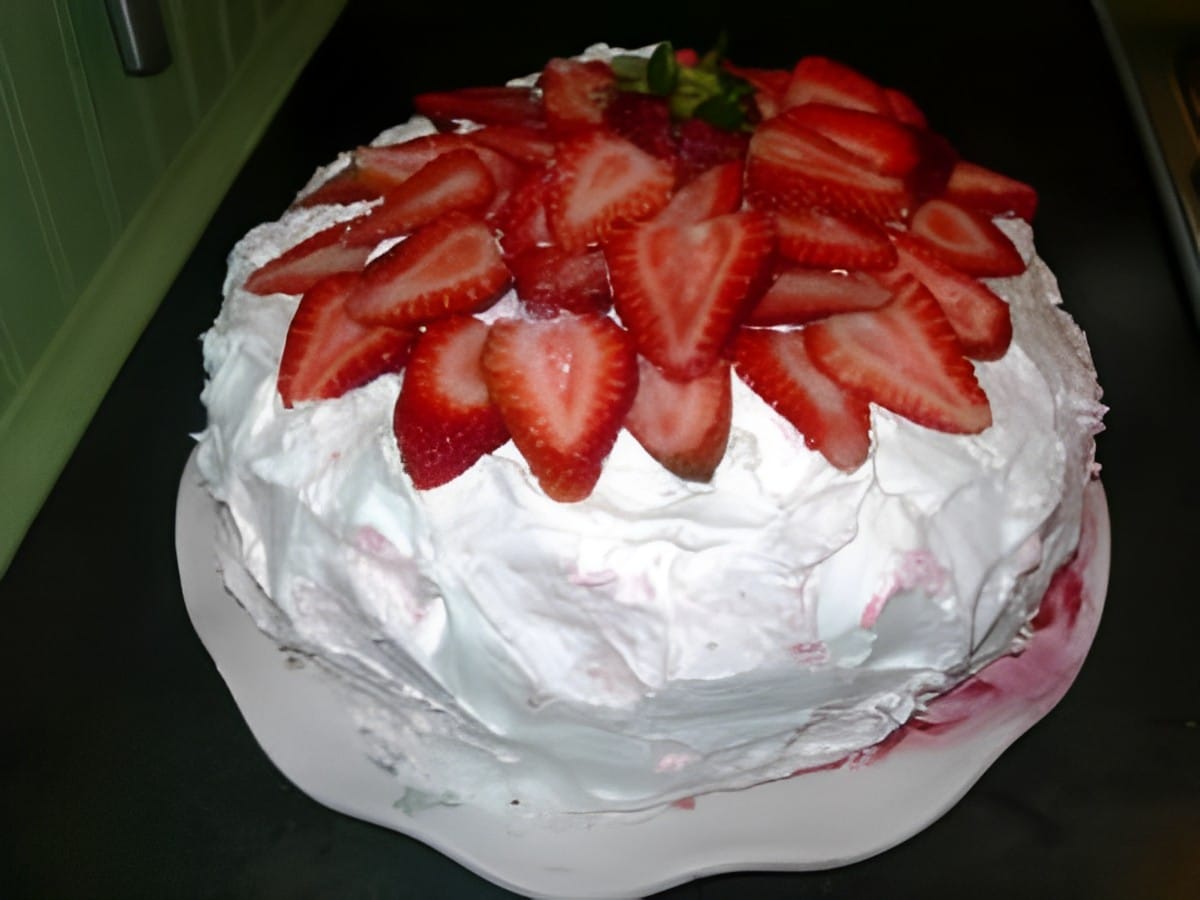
(980,319)
(349,185)
(550,280)
(903,109)
(816,79)
(681,290)
(522,220)
(883,144)
(966,239)
(645,120)
(396,163)
(313,259)
(603,181)
(793,168)
(531,146)
(905,357)
(938,159)
(822,240)
(770,86)
(683,424)
(450,266)
(714,193)
(703,145)
(687,57)
(990,192)
(483,105)
(563,386)
(328,353)
(444,420)
(575,93)
(833,421)
(454,180)
(803,295)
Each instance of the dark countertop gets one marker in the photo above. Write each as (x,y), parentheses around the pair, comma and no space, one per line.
(127,770)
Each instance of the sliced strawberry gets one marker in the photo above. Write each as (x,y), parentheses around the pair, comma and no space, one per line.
(804,295)
(903,109)
(882,143)
(793,168)
(816,79)
(313,259)
(713,193)
(450,266)
(966,239)
(905,357)
(683,424)
(822,240)
(396,163)
(454,180)
(350,185)
(563,386)
(645,120)
(833,421)
(990,192)
(981,320)
(681,290)
(328,353)
(687,57)
(770,86)
(531,146)
(603,181)
(444,420)
(522,220)
(576,93)
(938,159)
(392,164)
(550,280)
(703,145)
(482,105)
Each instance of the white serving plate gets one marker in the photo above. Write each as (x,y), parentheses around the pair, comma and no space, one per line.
(815,820)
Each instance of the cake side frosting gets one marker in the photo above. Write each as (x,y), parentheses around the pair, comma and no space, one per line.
(662,638)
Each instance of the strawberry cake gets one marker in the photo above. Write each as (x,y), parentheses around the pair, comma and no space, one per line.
(646,427)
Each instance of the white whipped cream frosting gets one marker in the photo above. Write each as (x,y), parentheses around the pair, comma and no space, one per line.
(662,638)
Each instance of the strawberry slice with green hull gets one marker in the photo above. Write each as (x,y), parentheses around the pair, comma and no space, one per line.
(833,421)
(683,424)
(550,280)
(575,93)
(819,239)
(602,182)
(563,387)
(482,105)
(966,239)
(770,86)
(805,295)
(716,192)
(528,146)
(981,320)
(883,144)
(681,290)
(310,261)
(444,420)
(327,353)
(450,266)
(990,192)
(906,358)
(817,79)
(794,169)
(457,180)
